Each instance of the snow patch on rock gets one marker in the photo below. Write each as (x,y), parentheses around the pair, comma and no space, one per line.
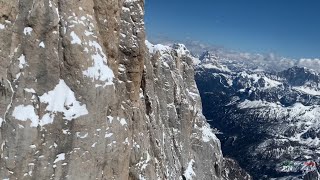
(189,173)
(2,26)
(75,38)
(157,48)
(24,113)
(307,90)
(42,45)
(22,61)
(62,99)
(212,66)
(27,31)
(99,70)
(30,90)
(207,133)
(123,121)
(60,157)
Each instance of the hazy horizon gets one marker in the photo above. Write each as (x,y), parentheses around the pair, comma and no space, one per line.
(287,28)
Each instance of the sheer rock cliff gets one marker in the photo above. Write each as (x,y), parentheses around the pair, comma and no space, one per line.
(82,97)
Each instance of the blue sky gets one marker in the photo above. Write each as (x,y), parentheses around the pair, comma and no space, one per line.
(285,27)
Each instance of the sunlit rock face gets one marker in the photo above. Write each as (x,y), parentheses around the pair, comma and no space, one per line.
(83,97)
(269,119)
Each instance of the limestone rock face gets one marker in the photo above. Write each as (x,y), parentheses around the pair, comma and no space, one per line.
(82,98)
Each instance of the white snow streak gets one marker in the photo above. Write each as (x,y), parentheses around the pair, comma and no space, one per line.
(75,38)
(189,173)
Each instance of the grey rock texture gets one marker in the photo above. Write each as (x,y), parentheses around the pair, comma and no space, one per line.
(232,170)
(81,97)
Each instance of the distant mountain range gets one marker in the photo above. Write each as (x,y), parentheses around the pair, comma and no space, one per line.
(268,112)
(239,61)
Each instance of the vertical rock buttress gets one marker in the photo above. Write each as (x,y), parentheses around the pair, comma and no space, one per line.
(82,98)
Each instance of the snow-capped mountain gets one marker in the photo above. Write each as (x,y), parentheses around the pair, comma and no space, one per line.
(268,113)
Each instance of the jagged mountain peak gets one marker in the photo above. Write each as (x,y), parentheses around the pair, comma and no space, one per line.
(208,56)
(181,49)
(300,70)
(299,76)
